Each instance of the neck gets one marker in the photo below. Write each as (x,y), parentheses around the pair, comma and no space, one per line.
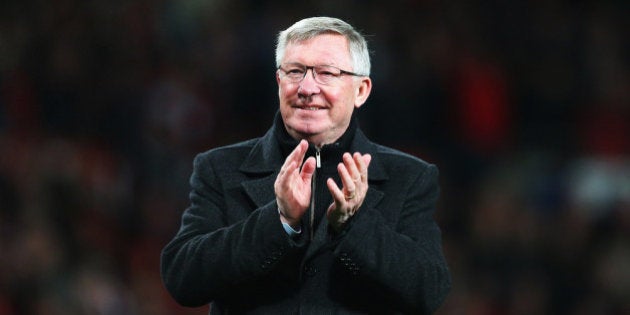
(317,140)
(289,138)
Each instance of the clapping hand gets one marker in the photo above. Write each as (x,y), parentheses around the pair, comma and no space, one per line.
(347,200)
(293,185)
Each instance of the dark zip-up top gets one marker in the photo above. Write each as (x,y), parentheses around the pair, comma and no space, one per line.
(327,157)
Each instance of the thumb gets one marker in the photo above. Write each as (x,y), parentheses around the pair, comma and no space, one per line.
(367,159)
(308,168)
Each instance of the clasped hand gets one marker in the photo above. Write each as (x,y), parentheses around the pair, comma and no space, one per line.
(293,187)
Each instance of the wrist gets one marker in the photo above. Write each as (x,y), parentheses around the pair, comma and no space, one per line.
(292,222)
(338,220)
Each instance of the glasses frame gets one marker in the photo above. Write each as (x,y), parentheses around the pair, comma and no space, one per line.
(314,73)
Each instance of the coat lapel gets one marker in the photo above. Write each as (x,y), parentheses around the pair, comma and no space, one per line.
(321,240)
(262,165)
(376,173)
(260,190)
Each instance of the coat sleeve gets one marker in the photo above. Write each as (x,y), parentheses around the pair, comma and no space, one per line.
(208,256)
(404,260)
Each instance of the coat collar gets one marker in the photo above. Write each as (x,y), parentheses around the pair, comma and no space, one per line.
(266,156)
(265,160)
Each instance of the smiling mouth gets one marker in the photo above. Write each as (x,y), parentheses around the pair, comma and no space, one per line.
(310,108)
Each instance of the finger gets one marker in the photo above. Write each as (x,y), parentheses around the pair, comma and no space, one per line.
(336,193)
(297,155)
(284,167)
(282,181)
(308,169)
(300,152)
(351,165)
(367,158)
(285,175)
(348,183)
(363,161)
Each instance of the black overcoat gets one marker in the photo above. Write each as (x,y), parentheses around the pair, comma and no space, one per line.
(232,251)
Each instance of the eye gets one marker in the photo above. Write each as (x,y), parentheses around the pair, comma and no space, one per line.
(295,71)
(327,72)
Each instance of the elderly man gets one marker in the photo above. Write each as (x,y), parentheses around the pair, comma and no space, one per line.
(311,218)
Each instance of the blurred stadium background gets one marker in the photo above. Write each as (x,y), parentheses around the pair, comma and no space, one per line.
(523,105)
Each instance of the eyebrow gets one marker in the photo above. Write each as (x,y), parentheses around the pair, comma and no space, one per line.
(315,65)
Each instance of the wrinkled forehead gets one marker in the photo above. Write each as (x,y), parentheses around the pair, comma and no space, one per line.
(299,36)
(329,48)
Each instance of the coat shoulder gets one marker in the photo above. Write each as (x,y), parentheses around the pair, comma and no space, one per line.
(399,159)
(232,154)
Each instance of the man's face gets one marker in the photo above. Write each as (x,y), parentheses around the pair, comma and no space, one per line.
(312,111)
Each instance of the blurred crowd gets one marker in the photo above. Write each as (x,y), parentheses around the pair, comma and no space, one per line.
(523,105)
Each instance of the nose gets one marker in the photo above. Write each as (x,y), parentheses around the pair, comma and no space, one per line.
(308,86)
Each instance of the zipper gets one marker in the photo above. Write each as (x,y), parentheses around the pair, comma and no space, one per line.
(318,164)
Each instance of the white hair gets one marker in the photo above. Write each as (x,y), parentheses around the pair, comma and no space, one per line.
(311,27)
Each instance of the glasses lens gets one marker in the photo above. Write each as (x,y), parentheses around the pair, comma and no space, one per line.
(326,74)
(293,72)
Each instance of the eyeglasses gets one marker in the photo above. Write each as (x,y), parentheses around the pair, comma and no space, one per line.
(326,75)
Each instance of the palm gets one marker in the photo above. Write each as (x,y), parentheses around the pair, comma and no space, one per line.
(293,184)
(301,191)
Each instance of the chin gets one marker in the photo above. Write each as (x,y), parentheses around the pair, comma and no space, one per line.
(308,132)
(306,125)
(304,130)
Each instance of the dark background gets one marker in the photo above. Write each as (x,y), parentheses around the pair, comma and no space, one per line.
(523,105)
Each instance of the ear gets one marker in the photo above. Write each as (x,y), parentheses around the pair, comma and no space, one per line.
(278,81)
(363,89)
